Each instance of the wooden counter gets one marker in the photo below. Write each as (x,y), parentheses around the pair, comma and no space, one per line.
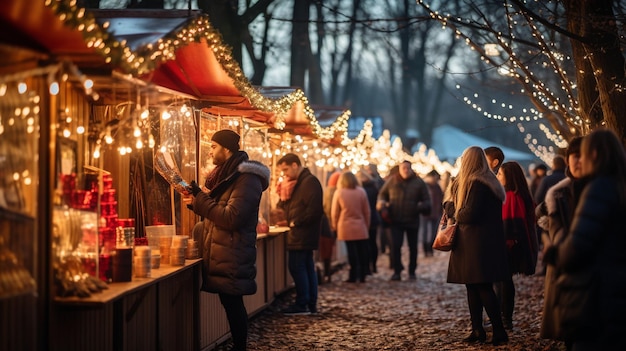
(118,290)
(157,313)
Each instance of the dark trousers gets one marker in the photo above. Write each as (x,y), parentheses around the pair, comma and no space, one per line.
(429,230)
(358,259)
(479,296)
(302,270)
(505,291)
(237,319)
(397,237)
(373,248)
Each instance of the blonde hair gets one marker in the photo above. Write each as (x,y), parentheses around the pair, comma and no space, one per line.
(473,165)
(347,180)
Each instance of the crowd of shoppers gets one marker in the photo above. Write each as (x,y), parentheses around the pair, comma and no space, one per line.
(492,203)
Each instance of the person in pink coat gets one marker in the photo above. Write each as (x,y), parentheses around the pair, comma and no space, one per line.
(350,217)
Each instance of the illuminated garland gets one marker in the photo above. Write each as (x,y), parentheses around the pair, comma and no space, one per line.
(514,66)
(145,59)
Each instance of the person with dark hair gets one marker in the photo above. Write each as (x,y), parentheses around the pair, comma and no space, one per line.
(328,240)
(385,219)
(371,187)
(430,221)
(518,217)
(478,260)
(558,174)
(230,210)
(554,218)
(495,157)
(539,172)
(303,212)
(406,196)
(591,294)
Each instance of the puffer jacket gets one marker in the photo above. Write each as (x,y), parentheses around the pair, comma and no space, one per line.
(304,213)
(408,198)
(595,243)
(231,212)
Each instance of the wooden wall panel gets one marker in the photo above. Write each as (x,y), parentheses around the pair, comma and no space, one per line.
(176,313)
(139,318)
(82,328)
(17,323)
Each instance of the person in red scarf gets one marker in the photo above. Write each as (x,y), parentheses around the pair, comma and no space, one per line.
(518,217)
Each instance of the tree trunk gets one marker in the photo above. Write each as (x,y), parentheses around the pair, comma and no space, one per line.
(300,44)
(224,18)
(599,63)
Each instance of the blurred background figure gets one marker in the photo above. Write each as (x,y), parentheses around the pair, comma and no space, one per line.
(406,196)
(371,189)
(329,237)
(385,220)
(592,288)
(430,222)
(518,217)
(558,174)
(350,217)
(538,173)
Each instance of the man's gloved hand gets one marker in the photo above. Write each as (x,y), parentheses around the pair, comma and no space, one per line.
(193,188)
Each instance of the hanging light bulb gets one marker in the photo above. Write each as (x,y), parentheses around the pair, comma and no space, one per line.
(54,88)
(151,141)
(96,152)
(137,132)
(80,130)
(66,133)
(165,115)
(22,87)
(145,114)
(107,137)
(139,144)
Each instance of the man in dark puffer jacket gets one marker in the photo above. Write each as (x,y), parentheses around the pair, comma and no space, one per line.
(231,210)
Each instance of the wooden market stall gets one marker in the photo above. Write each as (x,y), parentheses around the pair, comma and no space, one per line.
(87,101)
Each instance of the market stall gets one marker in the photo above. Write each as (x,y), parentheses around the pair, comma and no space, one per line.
(85,125)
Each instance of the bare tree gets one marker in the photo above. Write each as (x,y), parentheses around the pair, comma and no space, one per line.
(529,41)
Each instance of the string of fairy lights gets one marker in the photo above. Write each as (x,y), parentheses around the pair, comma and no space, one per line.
(356,152)
(146,58)
(501,53)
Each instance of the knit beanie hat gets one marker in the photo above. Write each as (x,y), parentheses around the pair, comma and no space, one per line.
(227,138)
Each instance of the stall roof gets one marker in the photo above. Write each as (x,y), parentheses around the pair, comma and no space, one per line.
(173,49)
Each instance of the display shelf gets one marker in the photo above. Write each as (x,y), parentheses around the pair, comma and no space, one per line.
(117,290)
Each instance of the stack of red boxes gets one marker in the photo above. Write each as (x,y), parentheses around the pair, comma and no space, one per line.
(108,224)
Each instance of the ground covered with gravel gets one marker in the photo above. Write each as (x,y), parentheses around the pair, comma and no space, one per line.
(423,314)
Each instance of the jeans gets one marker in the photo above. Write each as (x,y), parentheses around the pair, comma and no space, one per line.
(302,270)
(237,319)
(397,237)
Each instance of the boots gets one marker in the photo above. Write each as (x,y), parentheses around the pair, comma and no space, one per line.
(477,335)
(500,336)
